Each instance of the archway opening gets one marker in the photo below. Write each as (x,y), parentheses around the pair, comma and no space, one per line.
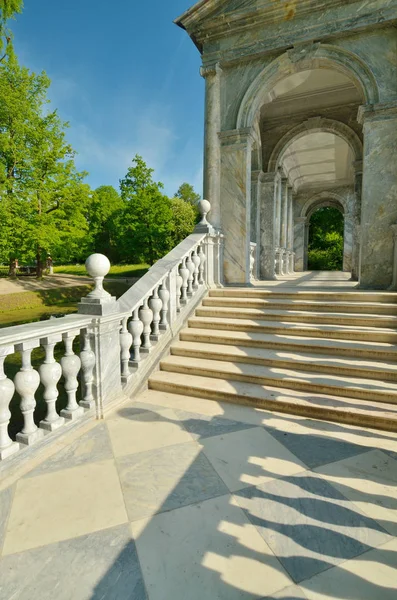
(326,239)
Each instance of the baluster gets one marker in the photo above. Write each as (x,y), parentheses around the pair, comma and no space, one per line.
(191,268)
(179,283)
(125,344)
(7,388)
(196,261)
(155,305)
(165,298)
(26,381)
(71,365)
(184,273)
(203,260)
(135,328)
(50,374)
(88,361)
(146,316)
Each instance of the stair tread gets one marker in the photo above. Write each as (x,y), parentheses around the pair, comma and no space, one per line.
(256,392)
(290,302)
(298,313)
(292,340)
(280,374)
(288,325)
(235,351)
(364,295)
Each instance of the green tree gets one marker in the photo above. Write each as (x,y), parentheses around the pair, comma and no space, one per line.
(8,9)
(103,217)
(184,218)
(146,220)
(42,196)
(326,240)
(186,192)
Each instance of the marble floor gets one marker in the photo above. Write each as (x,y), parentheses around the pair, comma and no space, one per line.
(318,280)
(174,498)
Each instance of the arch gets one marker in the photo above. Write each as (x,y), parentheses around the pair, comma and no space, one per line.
(322,199)
(304,57)
(315,125)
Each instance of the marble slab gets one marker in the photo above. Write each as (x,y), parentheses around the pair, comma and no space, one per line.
(309,524)
(5,507)
(206,551)
(167,478)
(92,446)
(100,565)
(317,449)
(203,426)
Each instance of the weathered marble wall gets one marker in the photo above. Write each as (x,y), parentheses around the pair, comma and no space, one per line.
(236,204)
(268,241)
(379,196)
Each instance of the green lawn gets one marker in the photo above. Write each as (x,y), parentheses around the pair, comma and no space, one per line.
(115,270)
(26,307)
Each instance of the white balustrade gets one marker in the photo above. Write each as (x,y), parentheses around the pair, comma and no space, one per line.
(202,265)
(88,360)
(184,273)
(71,365)
(7,389)
(179,284)
(165,300)
(191,268)
(125,345)
(50,374)
(26,382)
(135,328)
(155,305)
(196,261)
(146,316)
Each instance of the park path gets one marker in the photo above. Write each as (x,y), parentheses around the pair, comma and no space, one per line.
(31,284)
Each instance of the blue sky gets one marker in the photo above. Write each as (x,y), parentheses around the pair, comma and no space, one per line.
(127,80)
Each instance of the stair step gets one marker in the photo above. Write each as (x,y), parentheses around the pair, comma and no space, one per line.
(373,334)
(295,316)
(287,360)
(350,296)
(363,389)
(372,350)
(321,406)
(271,303)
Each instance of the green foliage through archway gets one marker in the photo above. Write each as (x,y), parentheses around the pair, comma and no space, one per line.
(326,240)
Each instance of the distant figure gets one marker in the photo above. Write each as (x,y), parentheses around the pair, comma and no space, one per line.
(50,267)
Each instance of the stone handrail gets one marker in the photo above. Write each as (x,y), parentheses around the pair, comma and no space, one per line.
(121,341)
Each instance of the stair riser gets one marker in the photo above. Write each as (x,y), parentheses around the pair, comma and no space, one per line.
(329,350)
(341,308)
(318,296)
(287,364)
(345,335)
(302,386)
(281,407)
(325,320)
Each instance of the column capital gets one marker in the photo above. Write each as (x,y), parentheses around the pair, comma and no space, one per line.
(358,166)
(377,112)
(269,177)
(236,137)
(394,230)
(210,70)
(301,220)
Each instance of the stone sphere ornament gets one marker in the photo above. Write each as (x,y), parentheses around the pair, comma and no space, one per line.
(98,266)
(204,208)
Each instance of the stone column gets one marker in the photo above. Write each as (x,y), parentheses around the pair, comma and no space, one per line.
(290,231)
(358,184)
(268,235)
(348,243)
(393,285)
(284,225)
(379,194)
(255,217)
(299,243)
(278,208)
(236,204)
(212,153)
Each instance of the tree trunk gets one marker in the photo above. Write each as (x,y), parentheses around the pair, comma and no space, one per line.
(39,264)
(12,270)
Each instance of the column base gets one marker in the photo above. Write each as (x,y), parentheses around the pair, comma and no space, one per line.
(28,439)
(9,451)
(72,415)
(47,426)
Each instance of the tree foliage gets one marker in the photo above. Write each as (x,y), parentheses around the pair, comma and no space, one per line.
(186,192)
(326,240)
(42,196)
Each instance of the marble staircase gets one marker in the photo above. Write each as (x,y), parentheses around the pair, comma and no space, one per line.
(323,354)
